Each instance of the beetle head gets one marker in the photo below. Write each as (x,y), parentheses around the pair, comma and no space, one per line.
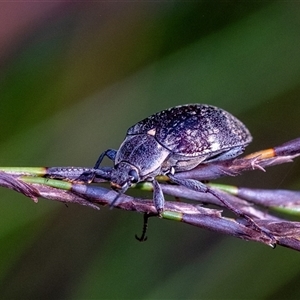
(123,176)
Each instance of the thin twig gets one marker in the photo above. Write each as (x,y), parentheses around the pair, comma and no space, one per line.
(287,233)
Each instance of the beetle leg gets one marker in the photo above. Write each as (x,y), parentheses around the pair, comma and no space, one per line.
(282,200)
(158,197)
(143,237)
(191,184)
(90,175)
(229,154)
(110,153)
(201,187)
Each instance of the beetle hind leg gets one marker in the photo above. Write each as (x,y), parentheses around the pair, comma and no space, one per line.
(201,187)
(226,155)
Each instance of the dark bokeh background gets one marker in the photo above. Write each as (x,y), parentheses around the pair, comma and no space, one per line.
(75,76)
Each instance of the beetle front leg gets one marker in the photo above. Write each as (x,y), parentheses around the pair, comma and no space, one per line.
(88,177)
(110,153)
(158,197)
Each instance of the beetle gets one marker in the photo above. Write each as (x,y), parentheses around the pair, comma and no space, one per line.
(175,140)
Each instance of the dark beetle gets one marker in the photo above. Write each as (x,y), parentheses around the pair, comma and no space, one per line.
(175,140)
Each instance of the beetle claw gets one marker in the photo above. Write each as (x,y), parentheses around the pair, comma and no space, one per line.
(143,237)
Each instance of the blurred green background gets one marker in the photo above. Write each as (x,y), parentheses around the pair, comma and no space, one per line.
(75,76)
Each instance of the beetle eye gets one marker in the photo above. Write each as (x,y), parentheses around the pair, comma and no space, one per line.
(134,177)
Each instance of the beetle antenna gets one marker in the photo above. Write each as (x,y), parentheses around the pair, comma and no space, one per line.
(120,193)
(111,205)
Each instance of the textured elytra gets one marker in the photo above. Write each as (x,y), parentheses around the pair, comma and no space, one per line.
(194,130)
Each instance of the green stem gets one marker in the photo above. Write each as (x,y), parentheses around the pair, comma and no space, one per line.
(63,185)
